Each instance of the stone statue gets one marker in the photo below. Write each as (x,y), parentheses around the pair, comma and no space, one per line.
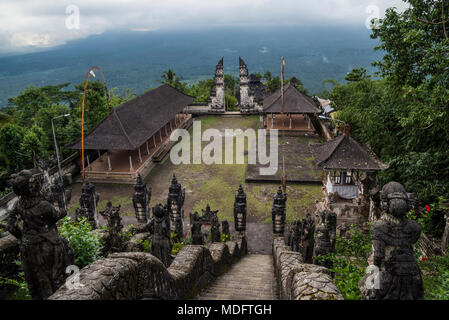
(210,216)
(175,201)
(397,275)
(331,225)
(141,200)
(89,202)
(215,230)
(59,197)
(195,227)
(44,253)
(295,240)
(159,227)
(240,210)
(115,226)
(323,244)
(278,212)
(344,228)
(445,238)
(225,228)
(308,238)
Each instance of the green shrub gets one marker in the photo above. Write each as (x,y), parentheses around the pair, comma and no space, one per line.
(350,262)
(86,244)
(435,272)
(21,288)
(225,237)
(431,218)
(176,248)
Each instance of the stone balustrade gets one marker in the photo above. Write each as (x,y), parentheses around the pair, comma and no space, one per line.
(137,275)
(298,280)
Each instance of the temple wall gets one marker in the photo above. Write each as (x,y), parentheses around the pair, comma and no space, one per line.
(137,275)
(298,280)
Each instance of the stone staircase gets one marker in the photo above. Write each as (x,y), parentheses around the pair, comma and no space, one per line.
(252,278)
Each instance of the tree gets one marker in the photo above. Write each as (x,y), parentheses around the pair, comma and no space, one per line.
(357,75)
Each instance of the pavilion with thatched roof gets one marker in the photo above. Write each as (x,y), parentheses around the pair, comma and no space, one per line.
(299,109)
(343,159)
(133,133)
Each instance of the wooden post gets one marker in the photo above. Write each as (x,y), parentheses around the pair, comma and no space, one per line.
(160,134)
(148,149)
(309,122)
(165,127)
(130,162)
(99,156)
(140,155)
(88,162)
(154,140)
(109,162)
(272,121)
(290,120)
(171,129)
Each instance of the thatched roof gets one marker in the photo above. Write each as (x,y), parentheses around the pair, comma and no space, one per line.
(131,124)
(344,153)
(294,102)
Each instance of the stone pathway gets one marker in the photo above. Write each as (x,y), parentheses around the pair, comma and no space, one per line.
(251,278)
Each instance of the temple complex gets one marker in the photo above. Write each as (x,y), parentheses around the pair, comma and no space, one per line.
(135,135)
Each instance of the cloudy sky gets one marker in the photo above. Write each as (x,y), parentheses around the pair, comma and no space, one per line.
(46,23)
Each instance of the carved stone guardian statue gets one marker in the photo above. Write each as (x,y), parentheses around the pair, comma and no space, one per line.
(278,212)
(115,226)
(396,273)
(141,200)
(323,244)
(308,238)
(44,253)
(295,241)
(195,227)
(89,202)
(159,227)
(240,210)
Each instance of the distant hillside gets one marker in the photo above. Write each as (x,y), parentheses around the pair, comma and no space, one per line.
(136,60)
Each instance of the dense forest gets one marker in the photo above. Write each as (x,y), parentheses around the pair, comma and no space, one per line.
(401,114)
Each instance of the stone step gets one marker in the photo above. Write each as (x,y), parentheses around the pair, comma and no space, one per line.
(252,278)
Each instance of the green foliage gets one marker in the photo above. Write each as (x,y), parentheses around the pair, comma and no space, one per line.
(146,245)
(403,116)
(86,244)
(436,277)
(225,237)
(177,247)
(21,288)
(431,218)
(350,262)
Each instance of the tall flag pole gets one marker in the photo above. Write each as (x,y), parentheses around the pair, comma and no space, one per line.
(284,177)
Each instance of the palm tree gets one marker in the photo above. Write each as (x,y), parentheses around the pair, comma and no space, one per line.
(171,78)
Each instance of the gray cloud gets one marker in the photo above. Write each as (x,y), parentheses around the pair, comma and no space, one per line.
(30,23)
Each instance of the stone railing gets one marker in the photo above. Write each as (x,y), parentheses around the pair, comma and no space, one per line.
(137,275)
(298,280)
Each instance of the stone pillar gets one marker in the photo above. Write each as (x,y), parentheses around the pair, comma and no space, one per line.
(141,200)
(278,212)
(240,210)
